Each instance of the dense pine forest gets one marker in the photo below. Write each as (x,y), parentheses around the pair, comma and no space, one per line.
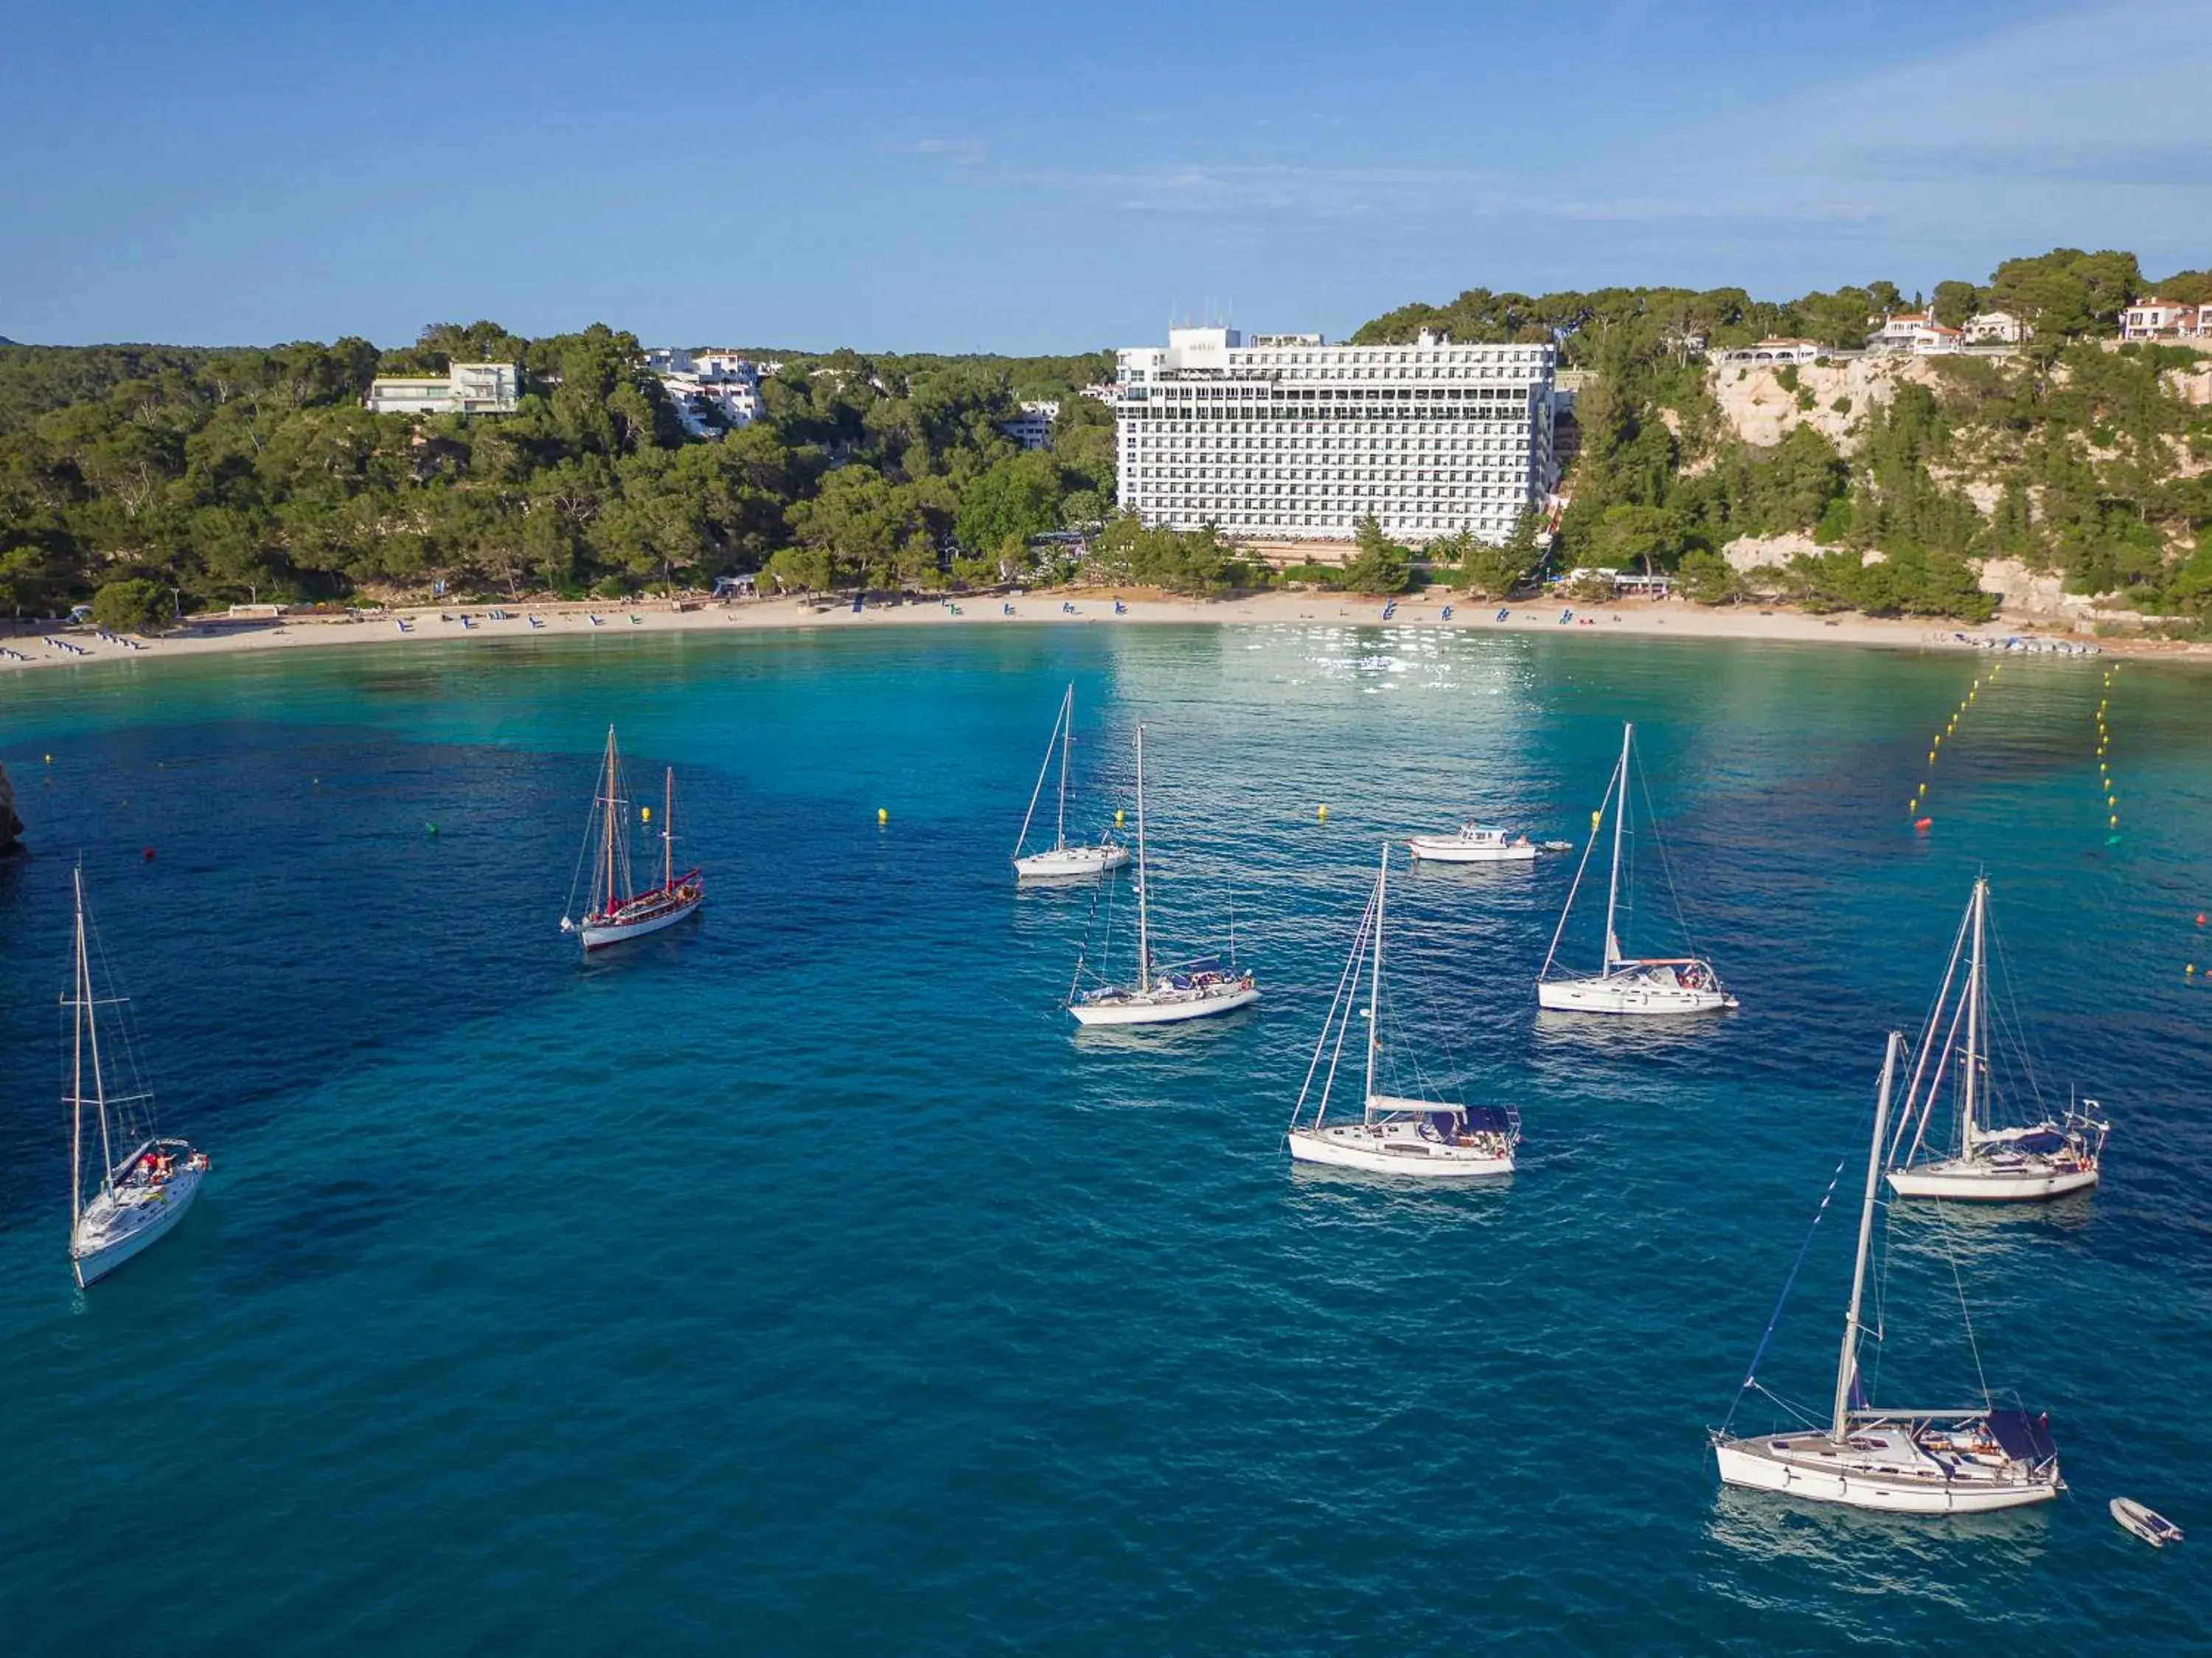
(167,480)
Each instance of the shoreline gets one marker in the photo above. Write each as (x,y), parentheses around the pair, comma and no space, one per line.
(1641,619)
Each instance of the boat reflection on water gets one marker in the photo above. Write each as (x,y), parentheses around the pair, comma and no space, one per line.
(1572,1039)
(1877,1552)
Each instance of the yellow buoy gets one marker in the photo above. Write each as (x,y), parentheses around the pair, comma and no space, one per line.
(1932,757)
(1594,816)
(645,812)
(50,759)
(2116,820)
(882,816)
(1117,817)
(1322,816)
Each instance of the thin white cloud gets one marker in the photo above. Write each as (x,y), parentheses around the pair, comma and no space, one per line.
(965,151)
(2095,119)
(2085,127)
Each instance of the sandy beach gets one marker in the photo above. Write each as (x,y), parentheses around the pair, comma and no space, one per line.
(1662,618)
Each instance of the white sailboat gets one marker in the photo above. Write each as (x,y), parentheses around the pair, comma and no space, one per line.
(1625,984)
(1964,1461)
(1473,843)
(140,1196)
(1427,1139)
(1196,990)
(1990,1164)
(1059,861)
(617,909)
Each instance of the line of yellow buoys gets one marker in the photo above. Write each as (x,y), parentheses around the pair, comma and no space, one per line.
(1915,809)
(2104,784)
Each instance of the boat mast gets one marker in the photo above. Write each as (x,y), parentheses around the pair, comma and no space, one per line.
(1066,736)
(1143,916)
(1973,1025)
(1375,982)
(668,833)
(1847,1365)
(1619,817)
(607,826)
(78,971)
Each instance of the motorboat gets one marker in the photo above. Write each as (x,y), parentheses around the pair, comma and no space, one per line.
(1474,844)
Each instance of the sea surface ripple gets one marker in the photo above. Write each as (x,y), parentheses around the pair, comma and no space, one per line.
(801,1280)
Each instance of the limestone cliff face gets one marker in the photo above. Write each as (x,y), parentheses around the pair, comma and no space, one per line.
(11,826)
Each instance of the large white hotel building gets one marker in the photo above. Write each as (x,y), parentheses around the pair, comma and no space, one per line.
(1283,438)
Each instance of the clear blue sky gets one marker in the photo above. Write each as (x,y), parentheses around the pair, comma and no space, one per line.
(1040,177)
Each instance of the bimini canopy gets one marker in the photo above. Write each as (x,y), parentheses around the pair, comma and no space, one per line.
(2041,1144)
(2025,1438)
(1385,1105)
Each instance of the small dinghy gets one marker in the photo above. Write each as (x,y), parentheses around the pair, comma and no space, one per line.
(2154,1529)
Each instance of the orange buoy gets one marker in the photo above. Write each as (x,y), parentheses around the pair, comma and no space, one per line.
(1924,825)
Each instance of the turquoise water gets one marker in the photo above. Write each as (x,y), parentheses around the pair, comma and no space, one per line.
(800,1280)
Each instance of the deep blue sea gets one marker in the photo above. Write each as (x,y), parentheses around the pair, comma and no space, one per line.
(799,1280)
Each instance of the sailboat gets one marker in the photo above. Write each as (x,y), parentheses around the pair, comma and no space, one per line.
(1965,1461)
(1625,983)
(617,909)
(1062,861)
(1196,990)
(1430,1139)
(145,1193)
(1990,1165)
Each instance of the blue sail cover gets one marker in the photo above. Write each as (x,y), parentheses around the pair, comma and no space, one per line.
(1489,1119)
(2024,1438)
(2040,1145)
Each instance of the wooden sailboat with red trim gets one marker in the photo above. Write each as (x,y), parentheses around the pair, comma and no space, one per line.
(617,908)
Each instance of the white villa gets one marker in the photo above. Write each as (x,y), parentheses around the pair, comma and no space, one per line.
(712,391)
(1032,427)
(1282,437)
(1915,334)
(1996,328)
(465,388)
(2161,319)
(1773,351)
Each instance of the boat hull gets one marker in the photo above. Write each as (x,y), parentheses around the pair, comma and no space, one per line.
(1158,1010)
(93,1258)
(1343,1148)
(598,935)
(1633,998)
(1867,1488)
(1967,1184)
(1070,863)
(2153,1528)
(1447,849)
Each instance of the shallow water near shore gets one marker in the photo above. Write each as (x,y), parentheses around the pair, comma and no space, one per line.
(799,1279)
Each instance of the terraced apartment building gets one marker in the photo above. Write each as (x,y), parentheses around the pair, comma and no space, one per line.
(1283,438)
